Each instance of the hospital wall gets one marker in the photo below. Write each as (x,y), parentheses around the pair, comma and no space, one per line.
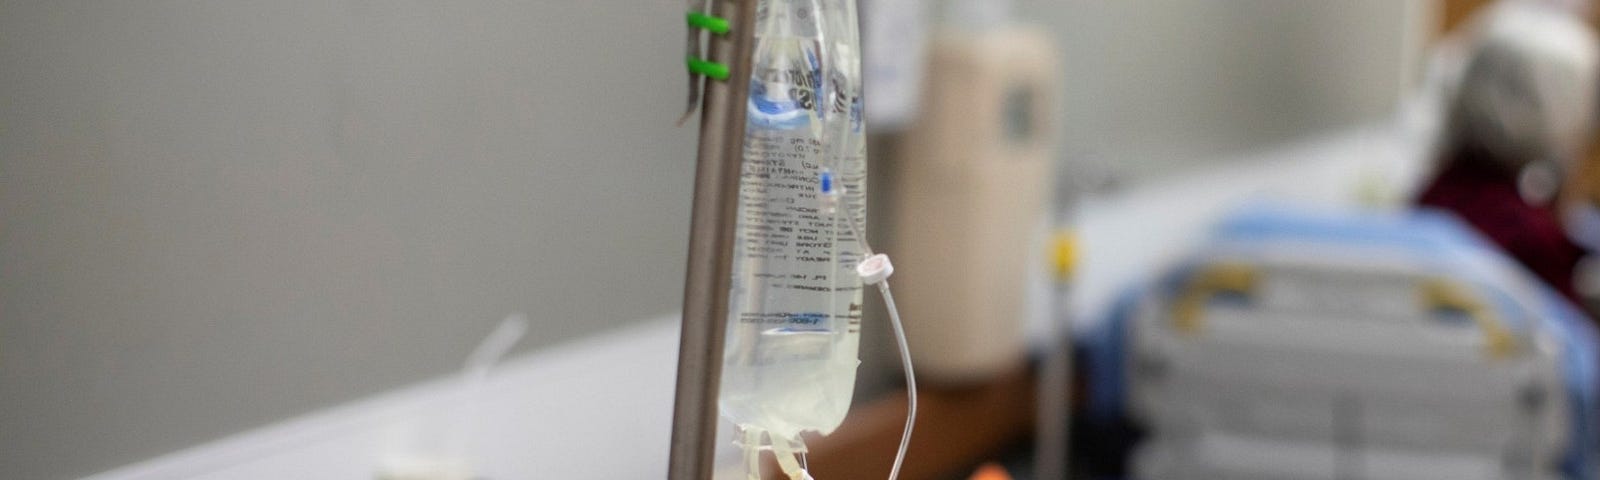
(217,215)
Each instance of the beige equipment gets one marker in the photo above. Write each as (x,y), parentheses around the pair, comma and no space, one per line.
(969,190)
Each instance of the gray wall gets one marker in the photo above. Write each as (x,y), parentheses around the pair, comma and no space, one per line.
(1154,86)
(215,215)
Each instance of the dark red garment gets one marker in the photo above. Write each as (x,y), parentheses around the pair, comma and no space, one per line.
(1487,198)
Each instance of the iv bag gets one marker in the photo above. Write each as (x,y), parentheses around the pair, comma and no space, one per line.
(795,310)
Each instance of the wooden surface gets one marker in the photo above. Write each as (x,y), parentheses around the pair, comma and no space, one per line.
(956,429)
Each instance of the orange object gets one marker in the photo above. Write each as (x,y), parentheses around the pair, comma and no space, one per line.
(991,471)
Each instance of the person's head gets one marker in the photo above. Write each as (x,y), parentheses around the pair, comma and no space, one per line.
(1528,90)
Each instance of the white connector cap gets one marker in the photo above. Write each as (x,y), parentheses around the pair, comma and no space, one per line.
(875,269)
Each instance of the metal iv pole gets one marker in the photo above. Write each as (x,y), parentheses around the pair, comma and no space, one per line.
(711,235)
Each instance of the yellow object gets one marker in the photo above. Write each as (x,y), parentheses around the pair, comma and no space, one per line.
(1497,340)
(1064,254)
(1189,308)
(1209,281)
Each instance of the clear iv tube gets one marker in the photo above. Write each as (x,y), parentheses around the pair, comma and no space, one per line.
(845,137)
(911,377)
(900,341)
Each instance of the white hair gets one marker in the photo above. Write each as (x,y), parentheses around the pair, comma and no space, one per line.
(1528,90)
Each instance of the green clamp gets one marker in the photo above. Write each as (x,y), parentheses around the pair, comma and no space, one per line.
(717,25)
(707,68)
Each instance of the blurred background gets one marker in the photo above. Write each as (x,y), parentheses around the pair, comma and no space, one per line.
(1276,238)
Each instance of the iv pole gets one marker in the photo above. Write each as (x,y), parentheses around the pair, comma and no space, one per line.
(711,234)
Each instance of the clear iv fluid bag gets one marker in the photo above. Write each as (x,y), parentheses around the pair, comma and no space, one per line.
(795,310)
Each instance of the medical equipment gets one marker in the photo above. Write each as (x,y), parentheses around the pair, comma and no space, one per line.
(1302,344)
(790,360)
(979,153)
(729,33)
(799,257)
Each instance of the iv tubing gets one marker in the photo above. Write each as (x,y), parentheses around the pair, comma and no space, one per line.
(911,378)
(900,341)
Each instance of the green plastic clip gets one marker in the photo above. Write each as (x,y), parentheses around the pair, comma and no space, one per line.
(717,25)
(708,69)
